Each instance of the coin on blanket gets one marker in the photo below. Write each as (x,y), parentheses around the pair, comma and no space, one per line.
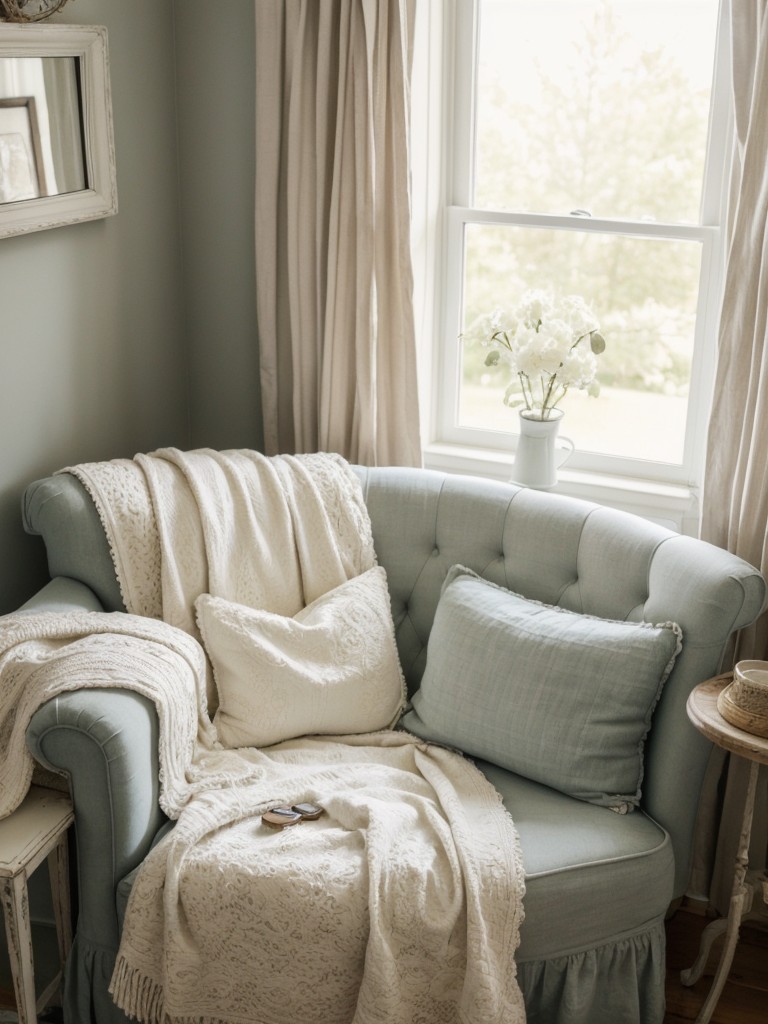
(309,812)
(281,817)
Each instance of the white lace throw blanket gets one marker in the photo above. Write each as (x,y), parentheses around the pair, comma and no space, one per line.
(403,903)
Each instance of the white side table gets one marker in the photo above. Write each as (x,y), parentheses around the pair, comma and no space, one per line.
(36,830)
(703,712)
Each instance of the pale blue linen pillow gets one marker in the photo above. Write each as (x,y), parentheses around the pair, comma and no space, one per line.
(561,698)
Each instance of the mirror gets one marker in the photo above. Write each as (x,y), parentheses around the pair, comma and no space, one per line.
(41,134)
(56,140)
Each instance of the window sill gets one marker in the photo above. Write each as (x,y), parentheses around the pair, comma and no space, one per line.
(672,505)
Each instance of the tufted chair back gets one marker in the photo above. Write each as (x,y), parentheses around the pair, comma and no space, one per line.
(561,551)
(584,557)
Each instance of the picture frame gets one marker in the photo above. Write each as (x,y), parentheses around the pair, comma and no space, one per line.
(57,153)
(22,171)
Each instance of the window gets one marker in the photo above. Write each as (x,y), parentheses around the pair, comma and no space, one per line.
(585,152)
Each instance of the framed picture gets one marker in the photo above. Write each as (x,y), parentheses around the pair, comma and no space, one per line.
(22,174)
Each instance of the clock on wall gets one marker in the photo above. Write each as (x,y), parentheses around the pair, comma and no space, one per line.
(29,10)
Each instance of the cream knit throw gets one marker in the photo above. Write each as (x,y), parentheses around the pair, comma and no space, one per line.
(45,654)
(270,533)
(403,903)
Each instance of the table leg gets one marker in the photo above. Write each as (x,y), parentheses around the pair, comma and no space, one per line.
(58,871)
(711,933)
(13,892)
(739,897)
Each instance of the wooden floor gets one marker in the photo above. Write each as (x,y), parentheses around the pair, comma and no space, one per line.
(745,996)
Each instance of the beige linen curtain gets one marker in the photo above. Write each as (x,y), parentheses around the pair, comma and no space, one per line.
(735,499)
(333,266)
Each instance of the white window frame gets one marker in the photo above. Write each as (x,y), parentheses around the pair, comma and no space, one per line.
(444,96)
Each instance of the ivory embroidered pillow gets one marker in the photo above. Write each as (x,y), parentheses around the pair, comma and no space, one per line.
(331,669)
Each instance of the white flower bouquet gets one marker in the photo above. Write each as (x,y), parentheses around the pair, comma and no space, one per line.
(550,344)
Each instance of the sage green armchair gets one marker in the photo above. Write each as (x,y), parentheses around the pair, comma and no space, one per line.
(598,884)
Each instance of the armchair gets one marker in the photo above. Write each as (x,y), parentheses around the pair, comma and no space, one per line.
(598,884)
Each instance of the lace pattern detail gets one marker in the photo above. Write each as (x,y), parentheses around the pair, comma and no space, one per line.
(119,492)
(401,904)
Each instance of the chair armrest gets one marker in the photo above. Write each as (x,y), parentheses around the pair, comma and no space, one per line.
(106,742)
(63,594)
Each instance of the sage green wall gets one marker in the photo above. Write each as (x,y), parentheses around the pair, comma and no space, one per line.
(216,123)
(92,361)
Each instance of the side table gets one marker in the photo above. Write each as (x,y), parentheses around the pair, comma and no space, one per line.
(702,711)
(37,829)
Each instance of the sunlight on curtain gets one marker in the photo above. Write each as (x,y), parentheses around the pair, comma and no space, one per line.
(333,266)
(735,500)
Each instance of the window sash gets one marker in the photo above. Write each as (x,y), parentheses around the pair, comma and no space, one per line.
(459,48)
(448,429)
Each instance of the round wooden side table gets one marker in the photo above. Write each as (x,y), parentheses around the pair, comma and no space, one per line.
(702,711)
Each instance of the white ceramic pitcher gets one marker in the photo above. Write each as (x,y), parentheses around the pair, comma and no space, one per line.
(540,451)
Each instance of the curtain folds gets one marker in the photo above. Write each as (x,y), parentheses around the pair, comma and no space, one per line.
(334,279)
(735,498)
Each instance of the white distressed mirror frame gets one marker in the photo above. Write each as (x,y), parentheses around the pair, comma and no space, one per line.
(99,199)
